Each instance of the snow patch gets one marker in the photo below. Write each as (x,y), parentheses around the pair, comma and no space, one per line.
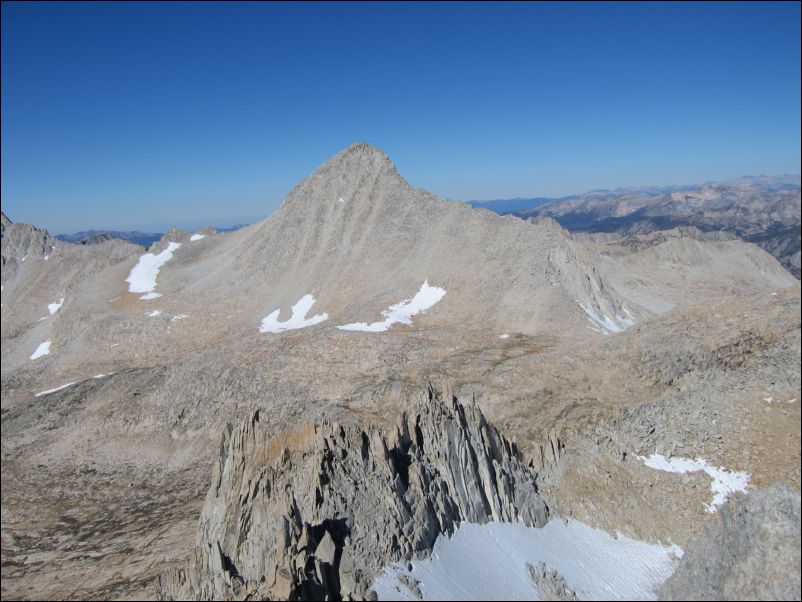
(154,313)
(41,350)
(178,317)
(297,320)
(402,312)
(771,400)
(488,562)
(195,237)
(607,325)
(504,336)
(47,257)
(725,482)
(142,278)
(54,307)
(56,389)
(150,296)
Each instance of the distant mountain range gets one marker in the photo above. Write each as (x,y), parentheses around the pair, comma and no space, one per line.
(89,237)
(764,210)
(503,206)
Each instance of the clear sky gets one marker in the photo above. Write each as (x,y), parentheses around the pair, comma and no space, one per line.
(149,114)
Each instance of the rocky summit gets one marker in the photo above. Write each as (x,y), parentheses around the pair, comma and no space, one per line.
(348,398)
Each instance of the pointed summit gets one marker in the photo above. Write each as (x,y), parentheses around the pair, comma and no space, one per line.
(363,150)
(360,158)
(360,172)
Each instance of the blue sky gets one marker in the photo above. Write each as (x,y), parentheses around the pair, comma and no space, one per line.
(151,114)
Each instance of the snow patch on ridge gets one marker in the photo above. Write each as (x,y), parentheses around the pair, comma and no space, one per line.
(41,350)
(142,278)
(607,325)
(771,400)
(195,237)
(297,320)
(488,562)
(54,307)
(56,389)
(402,312)
(724,482)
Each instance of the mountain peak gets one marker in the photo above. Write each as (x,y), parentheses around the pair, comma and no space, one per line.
(363,148)
(362,155)
(357,172)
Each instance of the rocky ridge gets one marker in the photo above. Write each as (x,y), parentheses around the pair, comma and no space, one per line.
(20,242)
(315,513)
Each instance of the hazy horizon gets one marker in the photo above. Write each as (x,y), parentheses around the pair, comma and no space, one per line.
(189,223)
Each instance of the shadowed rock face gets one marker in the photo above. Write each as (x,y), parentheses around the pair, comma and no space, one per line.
(752,553)
(317,512)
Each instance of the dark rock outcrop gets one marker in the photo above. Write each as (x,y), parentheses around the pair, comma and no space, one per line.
(550,585)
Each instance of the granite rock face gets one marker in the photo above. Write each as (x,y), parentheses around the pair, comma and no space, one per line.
(752,553)
(316,513)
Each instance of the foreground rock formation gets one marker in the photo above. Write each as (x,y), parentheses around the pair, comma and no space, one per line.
(315,513)
(752,553)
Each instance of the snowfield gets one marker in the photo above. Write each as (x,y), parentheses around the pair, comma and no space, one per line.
(195,237)
(402,313)
(724,482)
(297,320)
(488,562)
(142,278)
(41,350)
